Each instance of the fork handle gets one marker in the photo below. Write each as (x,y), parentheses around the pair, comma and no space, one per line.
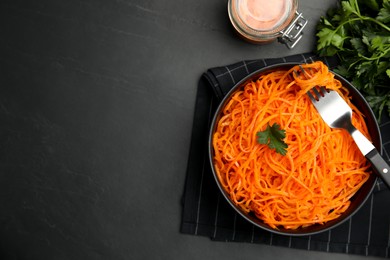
(380,165)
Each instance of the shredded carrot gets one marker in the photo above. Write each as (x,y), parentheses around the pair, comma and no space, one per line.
(323,167)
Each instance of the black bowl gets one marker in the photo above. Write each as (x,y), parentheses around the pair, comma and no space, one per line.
(357,200)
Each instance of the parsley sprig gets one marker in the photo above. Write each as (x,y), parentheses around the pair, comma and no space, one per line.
(273,136)
(359,34)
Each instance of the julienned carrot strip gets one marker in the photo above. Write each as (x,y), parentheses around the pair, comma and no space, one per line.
(322,169)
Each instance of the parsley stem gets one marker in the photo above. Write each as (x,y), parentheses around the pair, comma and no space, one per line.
(357,7)
(374,58)
(359,18)
(346,22)
(375,21)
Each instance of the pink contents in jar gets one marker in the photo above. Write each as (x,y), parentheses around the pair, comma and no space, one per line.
(263,14)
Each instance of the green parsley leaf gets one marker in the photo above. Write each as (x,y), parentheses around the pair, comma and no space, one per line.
(384,13)
(325,38)
(350,7)
(342,70)
(363,68)
(358,45)
(273,137)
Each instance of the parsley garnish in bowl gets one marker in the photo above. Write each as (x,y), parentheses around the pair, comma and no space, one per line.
(273,136)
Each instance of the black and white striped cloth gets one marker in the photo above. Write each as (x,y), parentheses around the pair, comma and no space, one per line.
(206,213)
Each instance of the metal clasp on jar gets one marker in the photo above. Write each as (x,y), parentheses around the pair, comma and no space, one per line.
(293,33)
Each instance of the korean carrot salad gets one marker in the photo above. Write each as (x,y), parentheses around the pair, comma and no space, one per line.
(321,169)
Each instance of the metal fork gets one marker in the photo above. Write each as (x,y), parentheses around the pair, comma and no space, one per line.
(337,114)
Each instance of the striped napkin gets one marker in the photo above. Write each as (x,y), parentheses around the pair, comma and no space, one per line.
(206,213)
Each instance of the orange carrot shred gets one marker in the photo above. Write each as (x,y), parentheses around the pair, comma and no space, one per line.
(323,168)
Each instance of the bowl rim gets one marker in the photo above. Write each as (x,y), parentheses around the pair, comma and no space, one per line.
(369,185)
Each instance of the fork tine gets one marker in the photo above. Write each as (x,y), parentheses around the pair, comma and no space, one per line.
(317,94)
(312,98)
(323,91)
(307,75)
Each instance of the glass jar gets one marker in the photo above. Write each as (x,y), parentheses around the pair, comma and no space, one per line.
(263,21)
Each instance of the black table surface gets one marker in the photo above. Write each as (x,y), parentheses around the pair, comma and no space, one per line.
(96,105)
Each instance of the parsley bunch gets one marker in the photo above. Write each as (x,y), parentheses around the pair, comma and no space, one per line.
(359,34)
